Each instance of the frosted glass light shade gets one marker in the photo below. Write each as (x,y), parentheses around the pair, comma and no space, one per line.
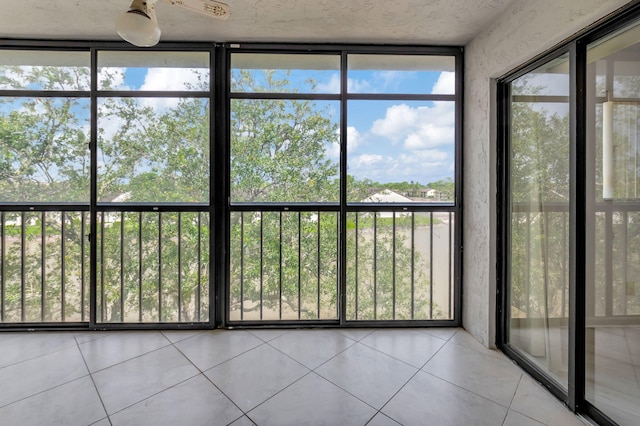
(138,29)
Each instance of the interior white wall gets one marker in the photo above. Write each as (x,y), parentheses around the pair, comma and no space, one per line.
(523,31)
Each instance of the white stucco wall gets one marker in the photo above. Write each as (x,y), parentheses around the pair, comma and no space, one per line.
(525,30)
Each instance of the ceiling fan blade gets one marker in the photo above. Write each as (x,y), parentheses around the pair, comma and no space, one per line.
(212,8)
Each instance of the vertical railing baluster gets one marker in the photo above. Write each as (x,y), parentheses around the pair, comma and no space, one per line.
(2,268)
(140,269)
(160,266)
(393,267)
(43,266)
(319,264)
(198,274)
(122,266)
(375,265)
(413,264)
(338,296)
(280,270)
(430,265)
(565,271)
(261,262)
(82,266)
(63,218)
(625,254)
(102,262)
(179,267)
(242,245)
(449,308)
(528,266)
(23,242)
(608,282)
(299,265)
(356,264)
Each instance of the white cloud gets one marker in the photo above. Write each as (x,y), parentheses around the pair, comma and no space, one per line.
(390,78)
(446,84)
(425,158)
(170,79)
(423,165)
(173,78)
(370,163)
(418,127)
(353,85)
(354,139)
(332,86)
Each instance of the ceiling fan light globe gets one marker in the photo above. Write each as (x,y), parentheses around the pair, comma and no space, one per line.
(138,29)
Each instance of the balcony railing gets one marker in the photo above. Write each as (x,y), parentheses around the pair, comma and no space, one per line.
(44,266)
(285,265)
(153,266)
(540,260)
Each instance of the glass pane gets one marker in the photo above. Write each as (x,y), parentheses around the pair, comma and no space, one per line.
(613,218)
(284,151)
(153,150)
(288,73)
(539,225)
(399,265)
(409,74)
(153,71)
(44,156)
(401,152)
(44,70)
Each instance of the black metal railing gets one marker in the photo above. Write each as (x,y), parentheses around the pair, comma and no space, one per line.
(44,265)
(153,266)
(285,264)
(400,265)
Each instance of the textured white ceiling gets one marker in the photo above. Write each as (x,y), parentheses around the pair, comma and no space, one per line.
(441,22)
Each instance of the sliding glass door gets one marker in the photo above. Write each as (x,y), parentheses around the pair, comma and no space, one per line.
(539,216)
(613,225)
(570,220)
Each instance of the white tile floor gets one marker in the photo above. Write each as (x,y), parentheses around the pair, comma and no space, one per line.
(266,377)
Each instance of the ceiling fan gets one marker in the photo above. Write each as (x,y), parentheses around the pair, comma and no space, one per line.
(139,25)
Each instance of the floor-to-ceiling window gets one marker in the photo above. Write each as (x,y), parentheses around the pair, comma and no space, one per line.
(193,185)
(344,185)
(570,161)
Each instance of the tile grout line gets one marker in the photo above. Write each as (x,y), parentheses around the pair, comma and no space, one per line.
(93,381)
(512,398)
(71,345)
(377,411)
(410,378)
(631,358)
(53,387)
(200,372)
(311,371)
(128,359)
